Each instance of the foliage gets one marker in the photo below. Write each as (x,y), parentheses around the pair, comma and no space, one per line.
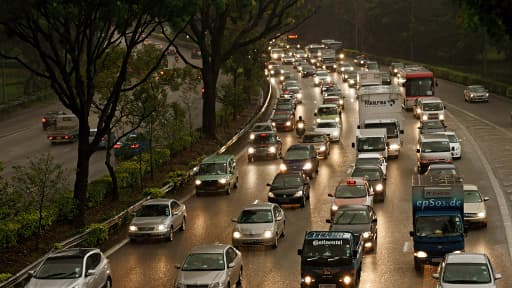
(98,233)
(169,128)
(4,276)
(98,189)
(154,193)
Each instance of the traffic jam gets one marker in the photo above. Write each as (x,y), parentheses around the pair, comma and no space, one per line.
(324,193)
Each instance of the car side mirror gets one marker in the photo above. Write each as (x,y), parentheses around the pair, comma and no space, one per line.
(418,151)
(486,198)
(374,220)
(353,145)
(315,114)
(328,221)
(268,184)
(231,265)
(299,252)
(497,276)
(402,131)
(279,218)
(354,253)
(330,195)
(177,266)
(358,126)
(31,273)
(234,220)
(90,272)
(435,276)
(411,233)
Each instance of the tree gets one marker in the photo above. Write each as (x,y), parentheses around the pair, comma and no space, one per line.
(221,27)
(70,38)
(41,182)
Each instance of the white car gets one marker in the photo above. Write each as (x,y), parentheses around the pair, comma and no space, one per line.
(330,127)
(455,146)
(321,76)
(475,211)
(466,270)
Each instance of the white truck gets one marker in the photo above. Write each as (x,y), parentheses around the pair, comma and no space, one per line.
(368,78)
(371,141)
(379,107)
(65,129)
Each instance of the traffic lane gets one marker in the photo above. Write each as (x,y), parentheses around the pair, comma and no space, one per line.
(496,111)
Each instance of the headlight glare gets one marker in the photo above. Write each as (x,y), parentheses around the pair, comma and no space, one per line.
(334,207)
(222,180)
(347,280)
(272,149)
(322,148)
(307,166)
(421,254)
(379,187)
(308,280)
(288,123)
(161,227)
(251,150)
(133,228)
(267,234)
(198,182)
(366,234)
(236,234)
(394,146)
(425,117)
(298,194)
(283,167)
(441,117)
(481,214)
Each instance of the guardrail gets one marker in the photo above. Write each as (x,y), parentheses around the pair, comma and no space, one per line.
(75,240)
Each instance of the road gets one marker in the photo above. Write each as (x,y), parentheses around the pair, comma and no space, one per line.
(151,263)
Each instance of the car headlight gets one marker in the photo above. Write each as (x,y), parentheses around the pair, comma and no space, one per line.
(324,66)
(418,110)
(328,79)
(379,187)
(336,133)
(273,123)
(316,80)
(267,234)
(215,285)
(481,214)
(395,70)
(271,195)
(133,228)
(366,234)
(334,65)
(421,254)
(272,72)
(322,148)
(342,56)
(337,119)
(307,166)
(308,280)
(222,180)
(236,234)
(281,78)
(425,117)
(341,101)
(272,149)
(394,146)
(298,194)
(334,207)
(298,95)
(161,227)
(346,280)
(441,117)
(283,167)
(288,123)
(180,285)
(351,81)
(198,182)
(251,150)
(251,136)
(300,125)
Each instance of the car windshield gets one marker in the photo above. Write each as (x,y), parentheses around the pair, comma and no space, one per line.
(368,173)
(391,128)
(327,125)
(212,168)
(438,226)
(286,181)
(369,144)
(296,154)
(433,106)
(261,127)
(60,268)
(255,216)
(435,146)
(432,125)
(346,191)
(452,138)
(326,248)
(204,262)
(153,210)
(440,172)
(368,162)
(284,106)
(470,273)
(281,116)
(327,111)
(263,139)
(345,217)
(313,138)
(478,89)
(472,197)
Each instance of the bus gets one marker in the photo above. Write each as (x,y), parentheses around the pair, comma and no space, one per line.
(293,40)
(416,82)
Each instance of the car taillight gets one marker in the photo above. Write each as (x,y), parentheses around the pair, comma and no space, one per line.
(50,138)
(117,146)
(66,137)
(135,145)
(43,120)
(351,182)
(103,139)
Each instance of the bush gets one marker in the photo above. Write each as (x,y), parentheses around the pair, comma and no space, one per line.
(97,235)
(160,156)
(8,233)
(178,177)
(4,276)
(98,189)
(65,205)
(154,192)
(128,174)
(29,222)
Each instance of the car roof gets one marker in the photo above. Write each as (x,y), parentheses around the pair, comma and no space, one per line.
(429,99)
(445,133)
(157,201)
(327,106)
(300,146)
(326,121)
(466,258)
(259,205)
(470,187)
(433,137)
(369,155)
(215,158)
(368,167)
(73,252)
(211,248)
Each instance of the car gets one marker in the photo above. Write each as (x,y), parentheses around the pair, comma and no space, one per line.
(217,173)
(394,67)
(321,76)
(290,83)
(287,60)
(320,141)
(213,265)
(72,267)
(351,78)
(344,67)
(432,148)
(360,60)
(334,97)
(443,173)
(276,71)
(285,75)
(291,187)
(372,159)
(327,112)
(106,140)
(158,218)
(300,54)
(286,99)
(466,269)
(195,53)
(327,85)
(330,127)
(259,223)
(476,93)
(281,107)
(261,127)
(454,144)
(307,71)
(298,63)
(429,108)
(354,190)
(375,177)
(277,53)
(49,118)
(272,63)
(295,92)
(431,126)
(360,219)
(302,157)
(475,211)
(283,121)
(264,145)
(131,145)
(371,66)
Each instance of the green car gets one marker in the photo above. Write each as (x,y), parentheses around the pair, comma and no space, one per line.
(217,173)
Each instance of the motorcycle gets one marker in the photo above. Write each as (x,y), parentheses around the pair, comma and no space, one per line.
(300,129)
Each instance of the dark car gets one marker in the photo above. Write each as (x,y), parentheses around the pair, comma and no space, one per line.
(130,145)
(283,121)
(302,157)
(360,219)
(375,178)
(284,107)
(394,67)
(360,60)
(106,140)
(431,126)
(320,141)
(350,78)
(50,118)
(264,145)
(290,187)
(307,71)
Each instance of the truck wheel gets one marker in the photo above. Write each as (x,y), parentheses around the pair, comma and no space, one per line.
(418,266)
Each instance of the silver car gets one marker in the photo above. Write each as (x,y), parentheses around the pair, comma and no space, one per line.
(70,268)
(475,211)
(466,270)
(260,223)
(158,218)
(216,265)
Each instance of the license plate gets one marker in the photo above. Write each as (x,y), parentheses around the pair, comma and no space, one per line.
(327,286)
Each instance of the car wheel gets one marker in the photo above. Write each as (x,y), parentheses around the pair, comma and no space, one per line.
(275,244)
(251,159)
(108,284)
(303,201)
(418,266)
(283,233)
(240,277)
(170,237)
(236,183)
(228,191)
(183,224)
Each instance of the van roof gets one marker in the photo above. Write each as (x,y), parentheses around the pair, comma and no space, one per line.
(216,158)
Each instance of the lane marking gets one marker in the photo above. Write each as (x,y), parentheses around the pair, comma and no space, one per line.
(500,196)
(116,247)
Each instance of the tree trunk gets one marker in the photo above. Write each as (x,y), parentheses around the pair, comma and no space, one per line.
(210,75)
(112,174)
(82,172)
